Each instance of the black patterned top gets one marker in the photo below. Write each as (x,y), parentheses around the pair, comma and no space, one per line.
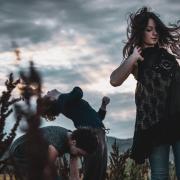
(153,127)
(154,79)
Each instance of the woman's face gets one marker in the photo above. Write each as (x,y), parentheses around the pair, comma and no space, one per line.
(53,94)
(150,34)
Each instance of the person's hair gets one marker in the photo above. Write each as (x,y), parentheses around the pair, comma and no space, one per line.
(47,108)
(86,139)
(138,21)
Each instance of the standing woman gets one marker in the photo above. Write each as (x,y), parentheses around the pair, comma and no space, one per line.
(147,58)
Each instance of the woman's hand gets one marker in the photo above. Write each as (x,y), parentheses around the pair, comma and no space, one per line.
(120,74)
(136,55)
(175,48)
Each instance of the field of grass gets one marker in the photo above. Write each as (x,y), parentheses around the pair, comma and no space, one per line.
(6,177)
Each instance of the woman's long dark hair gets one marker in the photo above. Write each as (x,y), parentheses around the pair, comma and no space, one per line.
(137,22)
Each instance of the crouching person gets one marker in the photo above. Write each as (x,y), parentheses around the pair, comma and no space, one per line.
(80,142)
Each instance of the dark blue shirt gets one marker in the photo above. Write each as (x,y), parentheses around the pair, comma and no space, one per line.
(78,110)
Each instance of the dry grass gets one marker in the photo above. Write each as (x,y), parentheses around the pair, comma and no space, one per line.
(7,177)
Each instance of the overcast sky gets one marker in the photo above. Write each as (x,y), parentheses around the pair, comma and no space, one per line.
(76,43)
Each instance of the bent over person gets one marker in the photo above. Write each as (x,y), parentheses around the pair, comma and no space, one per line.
(80,142)
(82,114)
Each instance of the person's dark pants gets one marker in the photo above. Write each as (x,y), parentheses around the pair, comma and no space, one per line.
(95,165)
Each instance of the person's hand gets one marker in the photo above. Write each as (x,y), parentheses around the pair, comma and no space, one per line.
(105,100)
(175,48)
(137,54)
(75,151)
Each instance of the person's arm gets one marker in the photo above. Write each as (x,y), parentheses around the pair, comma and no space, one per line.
(74,171)
(49,171)
(75,95)
(64,100)
(102,109)
(120,74)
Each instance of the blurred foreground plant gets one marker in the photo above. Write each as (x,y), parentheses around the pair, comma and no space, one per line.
(116,169)
(36,146)
(5,110)
(121,167)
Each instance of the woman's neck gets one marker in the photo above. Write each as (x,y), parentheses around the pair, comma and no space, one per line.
(147,46)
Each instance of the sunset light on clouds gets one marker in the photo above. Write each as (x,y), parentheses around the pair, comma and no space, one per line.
(76,43)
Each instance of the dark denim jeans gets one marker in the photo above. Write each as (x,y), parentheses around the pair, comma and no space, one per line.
(159,161)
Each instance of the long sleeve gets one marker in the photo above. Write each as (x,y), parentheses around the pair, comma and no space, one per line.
(66,99)
(101,114)
(75,94)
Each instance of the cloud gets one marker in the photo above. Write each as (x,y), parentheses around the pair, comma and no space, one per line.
(39,20)
(74,43)
(121,115)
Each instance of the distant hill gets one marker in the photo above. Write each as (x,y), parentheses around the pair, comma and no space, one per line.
(123,144)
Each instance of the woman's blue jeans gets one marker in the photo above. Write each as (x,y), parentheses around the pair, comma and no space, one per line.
(159,161)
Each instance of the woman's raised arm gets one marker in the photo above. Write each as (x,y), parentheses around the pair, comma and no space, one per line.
(119,75)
